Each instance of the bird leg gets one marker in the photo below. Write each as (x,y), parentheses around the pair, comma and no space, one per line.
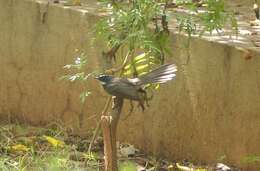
(144,98)
(148,98)
(131,109)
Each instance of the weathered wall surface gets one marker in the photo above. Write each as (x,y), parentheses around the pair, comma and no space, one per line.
(33,52)
(211,110)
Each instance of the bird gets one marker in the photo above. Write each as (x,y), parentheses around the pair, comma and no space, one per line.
(134,88)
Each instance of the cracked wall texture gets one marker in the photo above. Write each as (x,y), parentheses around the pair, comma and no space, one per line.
(212,108)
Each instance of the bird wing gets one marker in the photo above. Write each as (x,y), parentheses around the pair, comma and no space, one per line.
(162,74)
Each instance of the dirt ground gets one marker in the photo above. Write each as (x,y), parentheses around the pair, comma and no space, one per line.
(54,148)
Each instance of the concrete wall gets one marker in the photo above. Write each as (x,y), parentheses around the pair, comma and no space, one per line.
(211,110)
(33,53)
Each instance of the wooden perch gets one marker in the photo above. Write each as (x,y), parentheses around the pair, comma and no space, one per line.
(109,125)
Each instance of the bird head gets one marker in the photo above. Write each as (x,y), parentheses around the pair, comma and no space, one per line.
(104,78)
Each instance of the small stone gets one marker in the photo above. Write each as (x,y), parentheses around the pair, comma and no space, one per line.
(222,167)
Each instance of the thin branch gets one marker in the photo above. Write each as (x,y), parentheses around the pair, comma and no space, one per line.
(99,125)
(112,71)
(111,54)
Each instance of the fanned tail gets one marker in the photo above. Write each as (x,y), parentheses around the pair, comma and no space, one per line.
(160,75)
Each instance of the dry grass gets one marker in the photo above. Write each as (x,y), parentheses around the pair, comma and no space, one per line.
(54,148)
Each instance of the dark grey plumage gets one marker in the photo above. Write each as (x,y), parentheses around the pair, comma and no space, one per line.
(133,89)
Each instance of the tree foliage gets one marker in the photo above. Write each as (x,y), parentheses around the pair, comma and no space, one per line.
(139,31)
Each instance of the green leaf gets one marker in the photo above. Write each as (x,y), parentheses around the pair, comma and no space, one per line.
(127,166)
(79,74)
(90,156)
(142,67)
(141,64)
(139,57)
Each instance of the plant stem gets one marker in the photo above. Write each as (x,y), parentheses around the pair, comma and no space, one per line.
(104,111)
